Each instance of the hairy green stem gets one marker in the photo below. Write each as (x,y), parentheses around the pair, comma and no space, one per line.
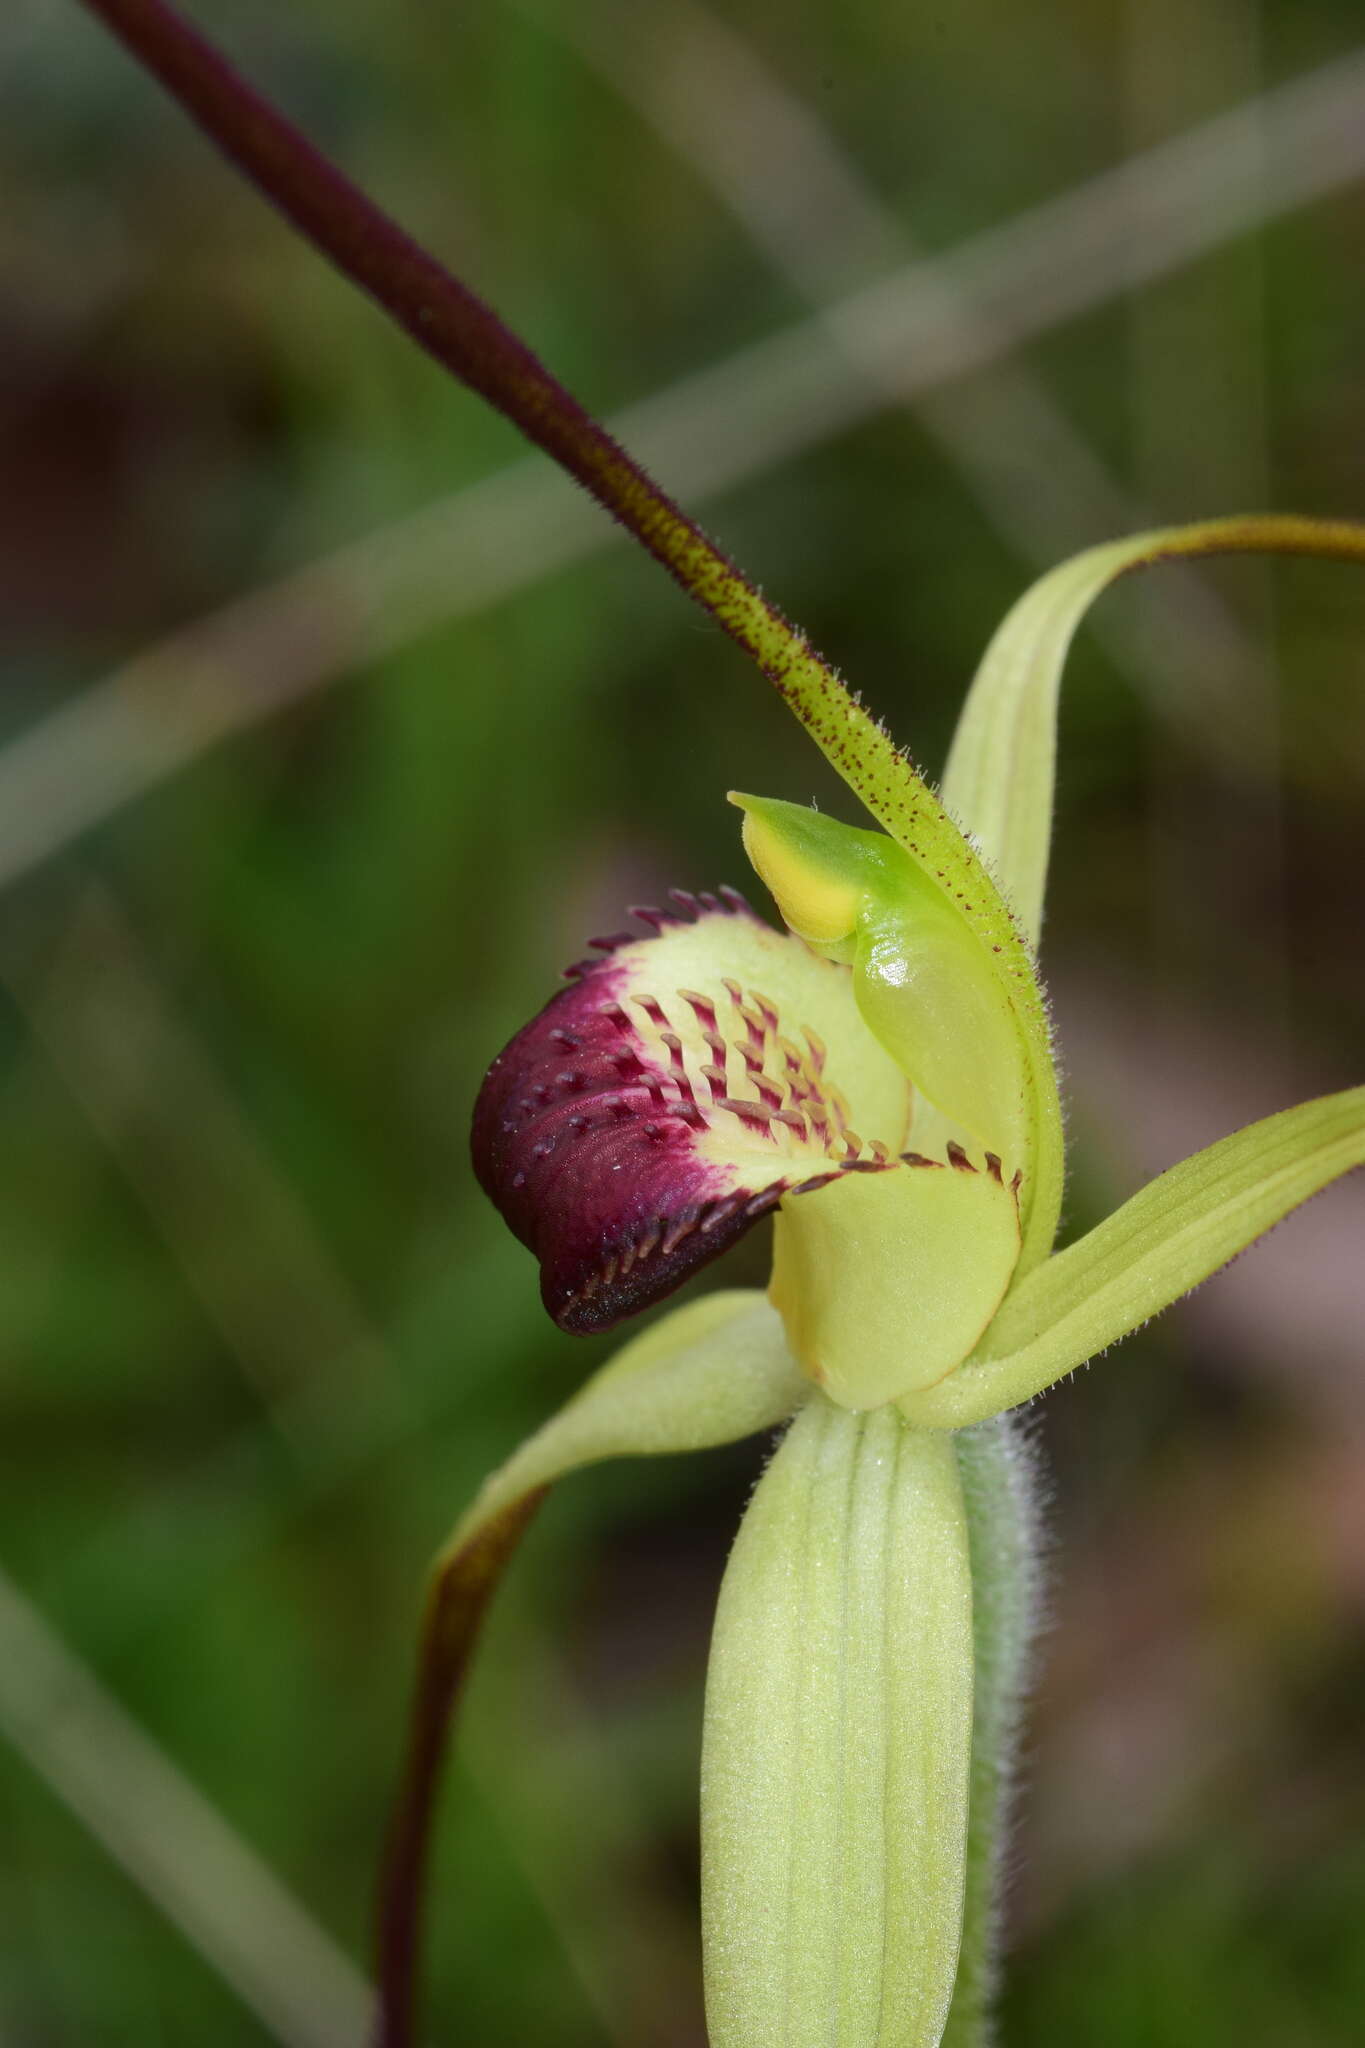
(1000,1485)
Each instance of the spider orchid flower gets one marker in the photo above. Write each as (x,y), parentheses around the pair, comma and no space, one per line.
(881,1078)
(688,1083)
(878,1077)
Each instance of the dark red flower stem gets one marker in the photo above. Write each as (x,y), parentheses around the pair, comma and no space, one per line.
(441,315)
(462,1585)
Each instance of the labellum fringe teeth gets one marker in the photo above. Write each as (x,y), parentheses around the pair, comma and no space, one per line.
(603,1131)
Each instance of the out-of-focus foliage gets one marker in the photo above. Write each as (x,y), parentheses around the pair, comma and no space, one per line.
(260,1336)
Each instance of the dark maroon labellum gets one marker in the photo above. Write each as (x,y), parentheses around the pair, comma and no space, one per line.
(586,1141)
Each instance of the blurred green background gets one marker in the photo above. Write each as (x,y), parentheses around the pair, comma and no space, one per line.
(275,892)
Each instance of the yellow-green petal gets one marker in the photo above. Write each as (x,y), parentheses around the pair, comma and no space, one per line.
(1171,1236)
(1000,773)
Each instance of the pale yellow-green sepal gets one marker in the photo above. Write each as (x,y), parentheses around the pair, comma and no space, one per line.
(713,1371)
(1172,1235)
(999,779)
(835,1764)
